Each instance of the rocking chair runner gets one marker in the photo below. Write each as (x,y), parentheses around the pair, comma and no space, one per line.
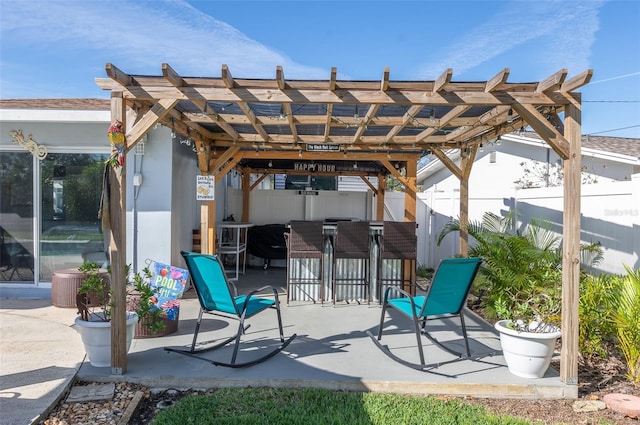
(445,297)
(213,290)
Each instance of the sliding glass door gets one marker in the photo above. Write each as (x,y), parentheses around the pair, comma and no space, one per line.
(62,191)
(70,190)
(16,217)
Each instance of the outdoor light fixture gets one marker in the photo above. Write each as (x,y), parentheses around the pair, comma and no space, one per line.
(481,147)
(355,165)
(498,140)
(282,116)
(356,114)
(270,164)
(173,130)
(510,116)
(432,116)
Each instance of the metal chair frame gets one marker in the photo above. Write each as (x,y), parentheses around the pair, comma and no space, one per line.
(213,289)
(352,242)
(305,241)
(445,297)
(398,241)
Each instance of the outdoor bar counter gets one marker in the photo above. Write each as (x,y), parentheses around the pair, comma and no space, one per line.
(302,267)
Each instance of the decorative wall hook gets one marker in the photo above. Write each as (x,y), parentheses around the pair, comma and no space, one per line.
(39,151)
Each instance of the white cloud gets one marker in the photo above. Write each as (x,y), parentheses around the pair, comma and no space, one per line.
(567,33)
(139,36)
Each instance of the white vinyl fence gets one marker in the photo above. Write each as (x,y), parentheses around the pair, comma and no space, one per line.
(610,214)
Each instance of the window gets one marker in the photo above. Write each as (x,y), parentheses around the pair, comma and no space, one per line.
(302,182)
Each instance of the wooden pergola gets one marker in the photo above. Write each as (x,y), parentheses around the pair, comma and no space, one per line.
(383,126)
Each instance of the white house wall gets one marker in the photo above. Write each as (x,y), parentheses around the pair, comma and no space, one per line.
(185,209)
(166,203)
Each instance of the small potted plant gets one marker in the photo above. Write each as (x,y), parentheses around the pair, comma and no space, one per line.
(143,298)
(529,327)
(94,312)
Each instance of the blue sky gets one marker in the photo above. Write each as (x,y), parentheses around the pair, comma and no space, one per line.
(51,48)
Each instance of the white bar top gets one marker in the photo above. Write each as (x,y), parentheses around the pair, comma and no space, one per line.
(234,224)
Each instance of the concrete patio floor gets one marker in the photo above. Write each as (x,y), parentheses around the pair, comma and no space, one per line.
(331,350)
(41,354)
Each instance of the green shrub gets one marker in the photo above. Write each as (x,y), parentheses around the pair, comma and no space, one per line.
(520,272)
(627,320)
(424,271)
(598,295)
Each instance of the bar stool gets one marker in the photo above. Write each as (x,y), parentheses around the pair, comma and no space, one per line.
(397,258)
(305,265)
(351,258)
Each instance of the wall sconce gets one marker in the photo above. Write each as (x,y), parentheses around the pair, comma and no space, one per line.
(173,130)
(510,116)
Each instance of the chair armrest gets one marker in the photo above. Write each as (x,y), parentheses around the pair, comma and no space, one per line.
(255,291)
(396,289)
(235,287)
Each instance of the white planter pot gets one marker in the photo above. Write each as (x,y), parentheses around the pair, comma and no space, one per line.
(527,354)
(96,337)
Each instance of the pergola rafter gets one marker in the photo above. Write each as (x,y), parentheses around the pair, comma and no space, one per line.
(385,125)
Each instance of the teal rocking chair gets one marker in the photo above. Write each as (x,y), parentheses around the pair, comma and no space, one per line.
(445,297)
(214,293)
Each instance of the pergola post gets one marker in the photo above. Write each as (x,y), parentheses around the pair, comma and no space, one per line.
(466,163)
(246,194)
(571,245)
(382,187)
(410,191)
(117,178)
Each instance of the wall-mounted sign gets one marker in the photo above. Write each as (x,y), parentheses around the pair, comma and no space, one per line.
(205,188)
(312,167)
(322,147)
(308,192)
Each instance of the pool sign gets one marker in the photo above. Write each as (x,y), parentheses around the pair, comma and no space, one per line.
(205,188)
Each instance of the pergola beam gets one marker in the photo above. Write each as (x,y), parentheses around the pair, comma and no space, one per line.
(395,128)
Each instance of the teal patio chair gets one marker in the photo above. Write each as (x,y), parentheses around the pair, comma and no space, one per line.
(445,297)
(214,293)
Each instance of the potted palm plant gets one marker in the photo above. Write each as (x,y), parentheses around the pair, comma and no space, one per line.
(520,281)
(529,325)
(94,312)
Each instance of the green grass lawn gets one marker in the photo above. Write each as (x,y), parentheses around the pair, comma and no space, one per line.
(236,406)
